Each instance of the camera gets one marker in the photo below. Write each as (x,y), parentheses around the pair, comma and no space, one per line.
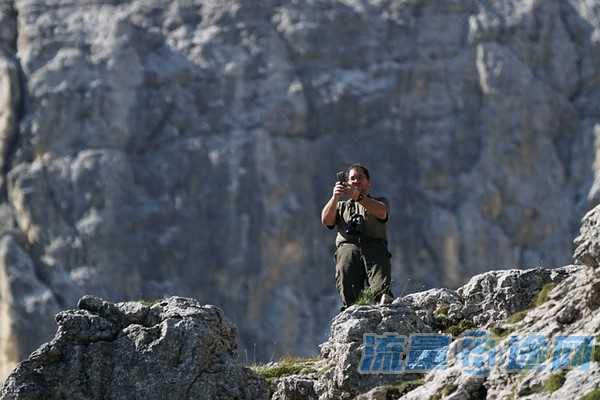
(356,225)
(340,176)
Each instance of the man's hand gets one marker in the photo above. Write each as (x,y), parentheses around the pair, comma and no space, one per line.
(339,190)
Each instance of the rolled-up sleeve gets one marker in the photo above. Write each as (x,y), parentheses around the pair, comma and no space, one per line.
(387,209)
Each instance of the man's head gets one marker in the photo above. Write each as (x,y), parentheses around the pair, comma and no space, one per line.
(358,176)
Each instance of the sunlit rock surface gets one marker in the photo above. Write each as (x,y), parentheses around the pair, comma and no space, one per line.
(151,148)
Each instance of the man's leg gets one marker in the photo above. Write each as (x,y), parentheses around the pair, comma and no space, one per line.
(349,273)
(379,271)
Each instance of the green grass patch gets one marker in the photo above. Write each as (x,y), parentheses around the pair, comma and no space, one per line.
(555,381)
(538,300)
(537,388)
(596,350)
(517,317)
(462,326)
(596,353)
(441,312)
(149,302)
(593,395)
(449,389)
(366,297)
(501,332)
(285,367)
(543,295)
(401,388)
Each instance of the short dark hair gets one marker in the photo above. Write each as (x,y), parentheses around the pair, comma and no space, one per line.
(358,166)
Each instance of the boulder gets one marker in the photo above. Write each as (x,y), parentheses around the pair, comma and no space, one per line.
(176,348)
(341,379)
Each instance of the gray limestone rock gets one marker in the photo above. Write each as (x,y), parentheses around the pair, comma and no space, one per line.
(564,313)
(486,301)
(343,350)
(295,388)
(587,244)
(152,148)
(176,348)
(28,304)
(485,298)
(496,295)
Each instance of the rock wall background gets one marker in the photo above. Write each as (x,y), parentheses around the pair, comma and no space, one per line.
(152,148)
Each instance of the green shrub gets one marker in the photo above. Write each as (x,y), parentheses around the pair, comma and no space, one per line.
(596,350)
(537,388)
(464,325)
(516,317)
(542,296)
(501,332)
(401,388)
(366,297)
(284,367)
(449,389)
(149,303)
(593,395)
(441,312)
(555,381)
(538,300)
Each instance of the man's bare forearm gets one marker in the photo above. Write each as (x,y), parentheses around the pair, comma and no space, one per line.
(375,207)
(329,211)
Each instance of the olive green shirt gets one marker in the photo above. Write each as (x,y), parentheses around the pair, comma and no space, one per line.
(375,228)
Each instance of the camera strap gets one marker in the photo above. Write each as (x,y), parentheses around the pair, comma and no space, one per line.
(355,209)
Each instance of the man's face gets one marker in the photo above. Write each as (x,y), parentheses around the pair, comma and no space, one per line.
(358,179)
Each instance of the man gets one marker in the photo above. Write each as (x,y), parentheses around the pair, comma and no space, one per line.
(362,257)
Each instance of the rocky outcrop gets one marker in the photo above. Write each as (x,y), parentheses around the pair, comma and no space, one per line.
(566,312)
(484,301)
(152,148)
(587,244)
(295,388)
(176,348)
(27,304)
(506,306)
(343,350)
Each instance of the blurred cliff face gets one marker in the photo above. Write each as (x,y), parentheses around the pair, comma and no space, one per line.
(156,148)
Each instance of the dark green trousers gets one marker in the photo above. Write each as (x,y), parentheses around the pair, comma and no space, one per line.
(360,266)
